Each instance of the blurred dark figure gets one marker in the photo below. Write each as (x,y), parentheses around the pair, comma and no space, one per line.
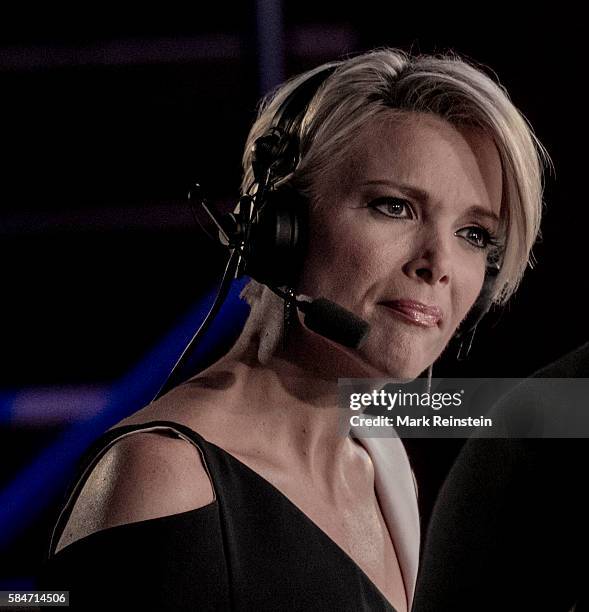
(509,529)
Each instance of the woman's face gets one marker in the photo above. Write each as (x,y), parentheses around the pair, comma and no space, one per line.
(400,235)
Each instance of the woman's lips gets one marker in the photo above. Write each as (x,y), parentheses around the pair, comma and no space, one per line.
(416,312)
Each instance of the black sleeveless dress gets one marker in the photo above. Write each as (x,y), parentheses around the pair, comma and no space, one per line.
(249,549)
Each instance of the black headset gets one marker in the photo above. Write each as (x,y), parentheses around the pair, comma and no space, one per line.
(268,236)
(277,242)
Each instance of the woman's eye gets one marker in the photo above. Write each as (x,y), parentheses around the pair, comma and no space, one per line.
(477,236)
(393,207)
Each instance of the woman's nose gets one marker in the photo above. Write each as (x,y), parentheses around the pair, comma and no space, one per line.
(431,263)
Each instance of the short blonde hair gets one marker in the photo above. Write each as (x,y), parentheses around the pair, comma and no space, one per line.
(372,84)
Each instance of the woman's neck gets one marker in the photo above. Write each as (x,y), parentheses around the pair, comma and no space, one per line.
(290,401)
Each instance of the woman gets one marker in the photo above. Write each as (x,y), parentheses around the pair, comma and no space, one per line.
(417,173)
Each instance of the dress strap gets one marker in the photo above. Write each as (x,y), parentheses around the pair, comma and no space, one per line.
(106,441)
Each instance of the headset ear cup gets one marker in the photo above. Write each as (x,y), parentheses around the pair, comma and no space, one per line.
(278,238)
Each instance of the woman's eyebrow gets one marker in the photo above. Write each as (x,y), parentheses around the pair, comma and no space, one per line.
(414,192)
(482,212)
(420,195)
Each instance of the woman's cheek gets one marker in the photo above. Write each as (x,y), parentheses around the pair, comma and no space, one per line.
(334,259)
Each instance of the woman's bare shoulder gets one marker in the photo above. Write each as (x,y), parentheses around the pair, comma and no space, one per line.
(142,476)
(148,474)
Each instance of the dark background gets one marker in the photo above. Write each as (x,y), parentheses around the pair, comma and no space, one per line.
(105,120)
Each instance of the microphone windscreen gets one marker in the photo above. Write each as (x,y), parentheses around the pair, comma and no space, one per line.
(331,321)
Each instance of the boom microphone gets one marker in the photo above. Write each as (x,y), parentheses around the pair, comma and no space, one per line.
(334,322)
